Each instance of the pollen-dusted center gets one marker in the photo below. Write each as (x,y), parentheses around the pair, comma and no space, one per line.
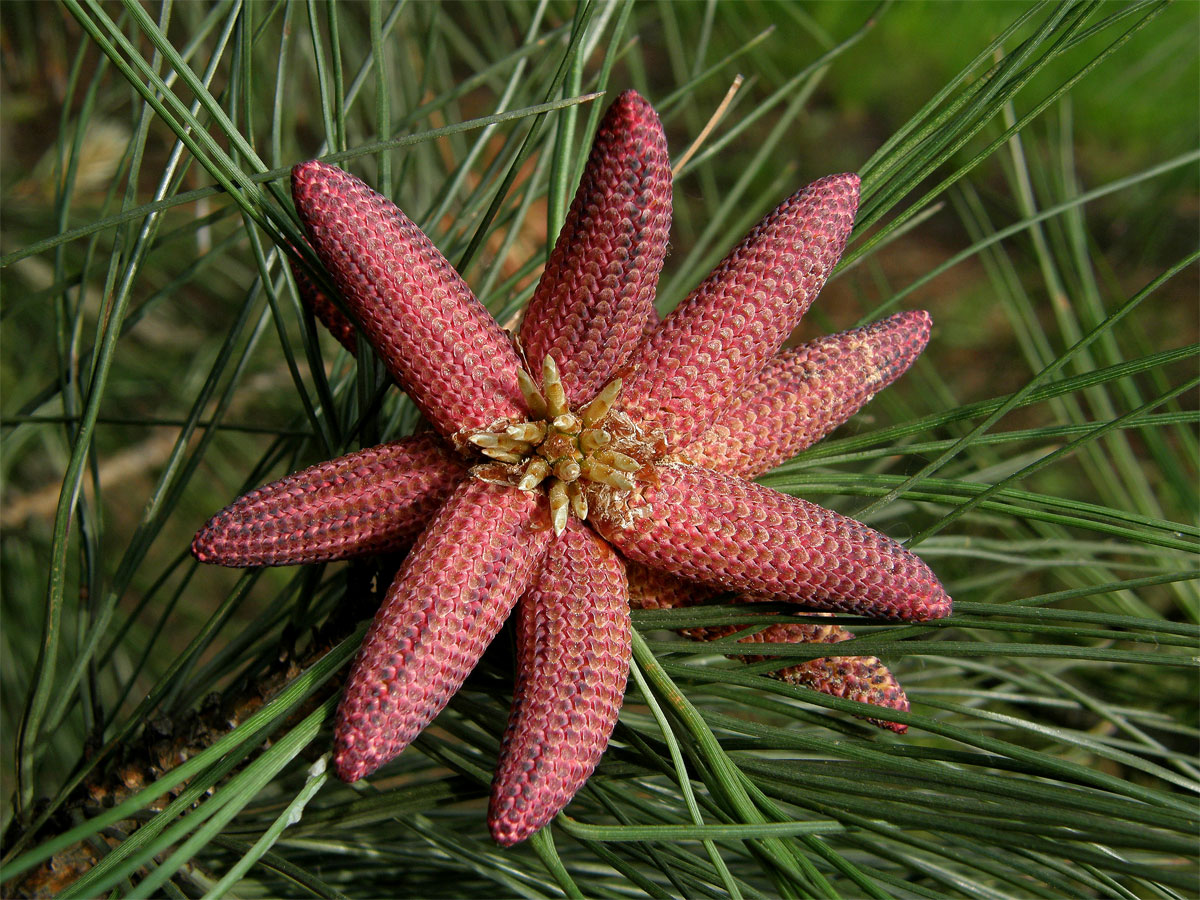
(597,450)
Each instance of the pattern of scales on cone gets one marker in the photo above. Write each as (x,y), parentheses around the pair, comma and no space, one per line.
(599,460)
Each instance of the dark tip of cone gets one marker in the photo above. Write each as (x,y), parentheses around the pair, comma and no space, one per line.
(300,170)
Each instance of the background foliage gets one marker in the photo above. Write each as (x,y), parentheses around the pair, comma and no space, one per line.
(1029,175)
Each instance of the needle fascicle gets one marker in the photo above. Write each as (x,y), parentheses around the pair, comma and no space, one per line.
(618,461)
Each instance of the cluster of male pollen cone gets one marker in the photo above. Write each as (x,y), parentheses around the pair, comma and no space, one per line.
(601,459)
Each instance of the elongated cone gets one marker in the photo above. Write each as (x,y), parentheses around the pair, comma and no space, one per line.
(722,334)
(573,648)
(373,501)
(803,394)
(326,311)
(592,301)
(440,344)
(735,534)
(447,603)
(799,397)
(864,679)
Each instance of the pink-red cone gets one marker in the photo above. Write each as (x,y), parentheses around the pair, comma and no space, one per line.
(573,648)
(436,339)
(490,543)
(592,302)
(373,501)
(728,533)
(800,396)
(803,394)
(454,591)
(864,679)
(723,333)
(324,309)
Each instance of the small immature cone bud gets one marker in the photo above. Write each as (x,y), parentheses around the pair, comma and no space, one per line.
(594,413)
(440,344)
(590,306)
(552,387)
(531,392)
(722,334)
(535,472)
(573,649)
(735,534)
(373,501)
(804,393)
(449,599)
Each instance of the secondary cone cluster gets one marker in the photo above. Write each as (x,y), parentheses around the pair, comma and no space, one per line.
(567,453)
(611,468)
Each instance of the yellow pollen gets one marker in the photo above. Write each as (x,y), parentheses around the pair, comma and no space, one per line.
(577,458)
